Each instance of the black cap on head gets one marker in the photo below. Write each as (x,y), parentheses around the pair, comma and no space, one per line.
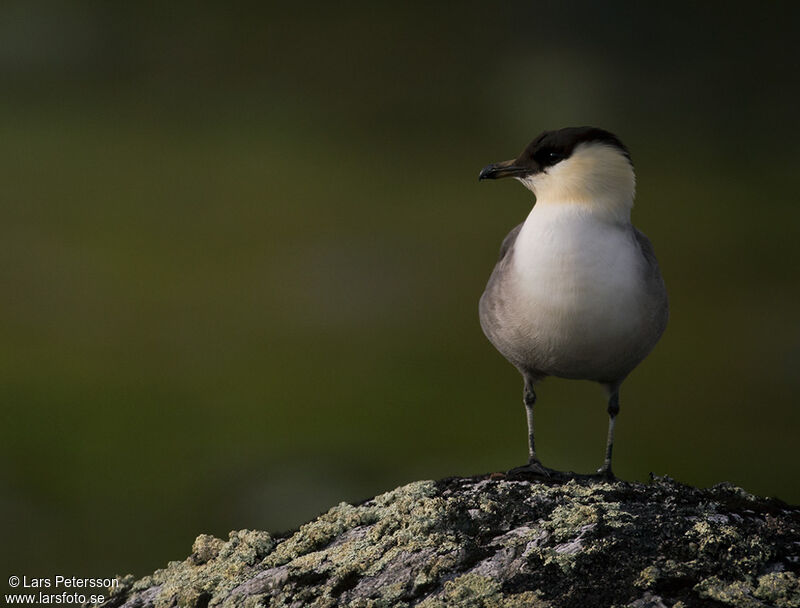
(550,148)
(564,141)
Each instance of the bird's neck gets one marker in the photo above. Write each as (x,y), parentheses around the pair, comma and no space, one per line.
(605,209)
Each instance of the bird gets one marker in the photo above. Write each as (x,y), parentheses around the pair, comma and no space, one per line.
(577,292)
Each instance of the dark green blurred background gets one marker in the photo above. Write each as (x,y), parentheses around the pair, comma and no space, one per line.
(242,250)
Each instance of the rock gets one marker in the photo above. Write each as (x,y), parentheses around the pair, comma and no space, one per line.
(486,542)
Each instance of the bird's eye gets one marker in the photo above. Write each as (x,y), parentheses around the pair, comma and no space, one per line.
(548,157)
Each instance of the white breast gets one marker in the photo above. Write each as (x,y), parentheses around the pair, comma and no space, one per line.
(580,292)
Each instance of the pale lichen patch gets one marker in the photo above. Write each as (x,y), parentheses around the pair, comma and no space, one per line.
(501,544)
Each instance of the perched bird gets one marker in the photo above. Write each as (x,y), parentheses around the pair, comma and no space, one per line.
(577,292)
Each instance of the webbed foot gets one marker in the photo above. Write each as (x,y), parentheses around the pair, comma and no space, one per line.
(536,471)
(605,473)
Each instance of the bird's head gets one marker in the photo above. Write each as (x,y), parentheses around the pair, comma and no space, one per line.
(582,166)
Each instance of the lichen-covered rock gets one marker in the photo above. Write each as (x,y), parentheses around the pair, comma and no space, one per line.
(498,543)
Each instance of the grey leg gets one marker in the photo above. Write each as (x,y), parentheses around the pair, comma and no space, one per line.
(529,398)
(613,410)
(534,469)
